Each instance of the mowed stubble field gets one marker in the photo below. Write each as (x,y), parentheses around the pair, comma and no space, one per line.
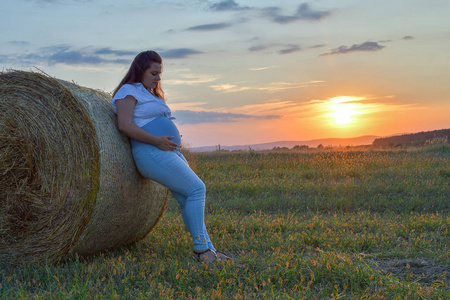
(370,224)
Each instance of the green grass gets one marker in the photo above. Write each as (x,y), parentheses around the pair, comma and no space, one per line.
(328,181)
(311,225)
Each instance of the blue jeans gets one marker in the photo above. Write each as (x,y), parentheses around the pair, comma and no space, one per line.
(171,169)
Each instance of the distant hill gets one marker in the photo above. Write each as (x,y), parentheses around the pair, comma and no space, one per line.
(362,140)
(412,139)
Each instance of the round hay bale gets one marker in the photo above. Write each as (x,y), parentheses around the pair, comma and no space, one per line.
(68,181)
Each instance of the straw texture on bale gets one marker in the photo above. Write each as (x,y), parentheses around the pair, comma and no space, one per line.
(68,182)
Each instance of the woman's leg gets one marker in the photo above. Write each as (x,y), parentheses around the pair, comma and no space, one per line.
(182,200)
(172,171)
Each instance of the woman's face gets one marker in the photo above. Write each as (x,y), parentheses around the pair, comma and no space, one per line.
(151,76)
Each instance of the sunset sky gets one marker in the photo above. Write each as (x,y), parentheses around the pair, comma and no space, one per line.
(247,72)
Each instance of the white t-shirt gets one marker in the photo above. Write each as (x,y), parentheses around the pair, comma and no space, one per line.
(148,106)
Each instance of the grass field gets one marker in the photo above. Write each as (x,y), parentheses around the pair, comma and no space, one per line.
(303,225)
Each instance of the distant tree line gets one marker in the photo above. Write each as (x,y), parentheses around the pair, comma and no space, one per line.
(295,148)
(414,139)
(441,136)
(302,148)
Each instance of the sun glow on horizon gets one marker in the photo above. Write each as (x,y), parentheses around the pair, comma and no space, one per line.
(343,109)
(342,115)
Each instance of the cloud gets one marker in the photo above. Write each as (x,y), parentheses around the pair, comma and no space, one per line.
(193,113)
(178,53)
(367,46)
(115,52)
(230,88)
(227,5)
(190,78)
(262,68)
(258,48)
(74,58)
(316,46)
(408,37)
(290,49)
(272,12)
(209,27)
(304,12)
(271,108)
(271,88)
(64,54)
(19,43)
(196,117)
(285,49)
(67,55)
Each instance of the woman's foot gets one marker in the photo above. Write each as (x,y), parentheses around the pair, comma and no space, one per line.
(207,255)
(222,256)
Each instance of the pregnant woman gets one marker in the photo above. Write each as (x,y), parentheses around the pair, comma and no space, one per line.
(143,116)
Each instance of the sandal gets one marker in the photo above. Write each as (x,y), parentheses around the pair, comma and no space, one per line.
(207,256)
(223,256)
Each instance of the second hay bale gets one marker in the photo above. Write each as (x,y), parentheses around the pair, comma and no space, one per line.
(68,179)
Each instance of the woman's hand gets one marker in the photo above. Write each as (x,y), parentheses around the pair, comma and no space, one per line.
(165,144)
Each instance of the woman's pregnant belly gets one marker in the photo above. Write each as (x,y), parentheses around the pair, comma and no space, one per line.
(160,126)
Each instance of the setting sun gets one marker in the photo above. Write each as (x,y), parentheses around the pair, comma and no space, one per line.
(342,115)
(343,109)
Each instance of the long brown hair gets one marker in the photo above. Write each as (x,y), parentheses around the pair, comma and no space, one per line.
(141,63)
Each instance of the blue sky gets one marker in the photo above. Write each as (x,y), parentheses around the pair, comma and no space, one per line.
(239,72)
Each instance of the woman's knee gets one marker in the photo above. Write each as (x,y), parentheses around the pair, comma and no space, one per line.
(198,192)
